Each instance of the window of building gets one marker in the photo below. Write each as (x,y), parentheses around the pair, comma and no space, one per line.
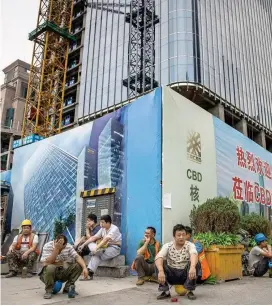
(9,117)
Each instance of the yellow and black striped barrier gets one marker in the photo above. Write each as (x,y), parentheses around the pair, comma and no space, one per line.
(96,192)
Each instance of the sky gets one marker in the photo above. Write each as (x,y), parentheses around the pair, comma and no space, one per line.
(18,18)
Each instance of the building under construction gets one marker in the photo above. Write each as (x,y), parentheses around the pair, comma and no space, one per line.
(92,56)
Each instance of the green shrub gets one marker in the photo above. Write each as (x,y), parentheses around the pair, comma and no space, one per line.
(255,224)
(222,239)
(218,215)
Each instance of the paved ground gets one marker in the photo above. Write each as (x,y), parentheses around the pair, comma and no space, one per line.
(103,291)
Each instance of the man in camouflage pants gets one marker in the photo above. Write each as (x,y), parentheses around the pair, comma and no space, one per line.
(23,251)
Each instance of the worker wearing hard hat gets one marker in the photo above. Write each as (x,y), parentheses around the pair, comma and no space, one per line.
(260,257)
(23,251)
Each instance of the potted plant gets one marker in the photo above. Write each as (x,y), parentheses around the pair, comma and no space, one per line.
(216,223)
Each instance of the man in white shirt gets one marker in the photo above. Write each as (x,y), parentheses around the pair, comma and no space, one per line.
(55,256)
(108,244)
(177,264)
(23,251)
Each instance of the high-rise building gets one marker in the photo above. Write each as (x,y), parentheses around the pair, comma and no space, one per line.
(50,178)
(110,154)
(69,115)
(216,53)
(13,95)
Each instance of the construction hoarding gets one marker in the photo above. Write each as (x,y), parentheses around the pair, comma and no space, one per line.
(162,154)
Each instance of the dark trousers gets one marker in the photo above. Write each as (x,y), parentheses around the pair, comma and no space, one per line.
(143,268)
(261,267)
(179,277)
(52,273)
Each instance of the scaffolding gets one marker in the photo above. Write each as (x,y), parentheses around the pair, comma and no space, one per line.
(46,86)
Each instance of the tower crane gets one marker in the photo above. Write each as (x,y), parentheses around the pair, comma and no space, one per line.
(141,49)
(45,95)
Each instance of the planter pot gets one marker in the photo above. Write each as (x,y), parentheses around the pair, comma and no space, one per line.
(225,261)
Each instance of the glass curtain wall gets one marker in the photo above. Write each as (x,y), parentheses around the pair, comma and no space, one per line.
(224,45)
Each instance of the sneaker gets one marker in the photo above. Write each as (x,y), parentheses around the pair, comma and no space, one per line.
(164,296)
(11,274)
(66,291)
(140,282)
(72,292)
(191,296)
(47,295)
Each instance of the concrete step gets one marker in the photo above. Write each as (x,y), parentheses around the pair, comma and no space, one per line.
(111,263)
(114,272)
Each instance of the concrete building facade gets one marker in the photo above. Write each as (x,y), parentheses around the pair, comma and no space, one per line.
(13,97)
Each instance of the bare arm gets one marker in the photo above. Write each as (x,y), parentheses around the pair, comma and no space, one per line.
(81,262)
(142,250)
(12,247)
(194,260)
(88,233)
(52,258)
(32,249)
(266,254)
(103,242)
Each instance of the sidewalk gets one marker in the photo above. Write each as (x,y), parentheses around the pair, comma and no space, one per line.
(103,291)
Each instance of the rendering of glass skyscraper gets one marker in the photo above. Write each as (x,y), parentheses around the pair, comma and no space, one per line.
(50,178)
(110,154)
(222,47)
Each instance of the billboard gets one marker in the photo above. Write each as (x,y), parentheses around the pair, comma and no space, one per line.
(121,150)
(244,171)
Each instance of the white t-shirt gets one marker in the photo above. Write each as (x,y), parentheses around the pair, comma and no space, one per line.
(25,242)
(113,233)
(177,259)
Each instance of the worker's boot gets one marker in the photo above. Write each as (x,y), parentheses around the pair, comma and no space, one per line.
(140,281)
(72,292)
(270,273)
(11,274)
(47,295)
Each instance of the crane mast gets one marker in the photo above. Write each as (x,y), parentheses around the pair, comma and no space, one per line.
(46,86)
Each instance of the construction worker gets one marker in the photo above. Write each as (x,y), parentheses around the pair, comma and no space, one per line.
(55,268)
(144,262)
(260,257)
(177,264)
(91,229)
(205,270)
(104,245)
(23,251)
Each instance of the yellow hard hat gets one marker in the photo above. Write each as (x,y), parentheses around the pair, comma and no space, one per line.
(26,222)
(180,290)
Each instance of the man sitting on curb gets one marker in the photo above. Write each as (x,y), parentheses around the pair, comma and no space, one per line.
(260,257)
(23,252)
(177,264)
(108,244)
(91,229)
(55,254)
(144,264)
(205,270)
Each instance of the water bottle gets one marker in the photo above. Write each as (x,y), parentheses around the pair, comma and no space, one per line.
(24,272)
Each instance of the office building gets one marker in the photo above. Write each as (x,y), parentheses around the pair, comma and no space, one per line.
(13,95)
(216,53)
